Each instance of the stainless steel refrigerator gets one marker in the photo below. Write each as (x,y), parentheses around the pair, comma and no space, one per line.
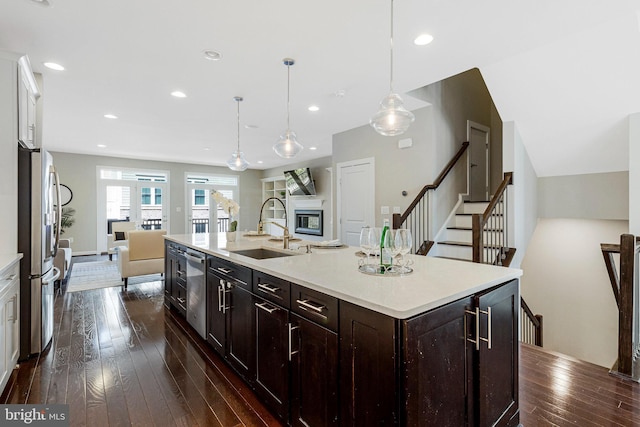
(39,213)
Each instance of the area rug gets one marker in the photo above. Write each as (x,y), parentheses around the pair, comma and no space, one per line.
(101,274)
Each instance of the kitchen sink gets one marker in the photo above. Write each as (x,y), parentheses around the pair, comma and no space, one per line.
(262,253)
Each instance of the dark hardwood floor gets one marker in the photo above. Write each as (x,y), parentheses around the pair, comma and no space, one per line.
(119,358)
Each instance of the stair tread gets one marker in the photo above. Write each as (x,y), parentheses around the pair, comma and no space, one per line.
(471,229)
(453,258)
(466,244)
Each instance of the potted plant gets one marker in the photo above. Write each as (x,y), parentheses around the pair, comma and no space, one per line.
(232,208)
(67,219)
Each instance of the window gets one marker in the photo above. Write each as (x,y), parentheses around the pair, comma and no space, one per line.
(146,196)
(199,198)
(158,196)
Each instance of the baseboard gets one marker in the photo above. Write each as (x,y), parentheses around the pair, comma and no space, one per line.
(84,253)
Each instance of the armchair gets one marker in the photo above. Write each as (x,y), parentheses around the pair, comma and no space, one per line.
(118,237)
(62,259)
(144,255)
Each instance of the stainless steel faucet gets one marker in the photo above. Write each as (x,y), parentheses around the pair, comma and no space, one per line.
(286,236)
(261,223)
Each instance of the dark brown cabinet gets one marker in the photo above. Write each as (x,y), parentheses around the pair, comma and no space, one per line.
(314,374)
(272,356)
(175,291)
(456,365)
(230,316)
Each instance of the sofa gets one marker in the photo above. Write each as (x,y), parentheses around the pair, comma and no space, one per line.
(62,260)
(118,236)
(143,255)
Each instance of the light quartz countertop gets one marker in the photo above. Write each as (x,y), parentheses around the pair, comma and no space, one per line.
(7,261)
(434,281)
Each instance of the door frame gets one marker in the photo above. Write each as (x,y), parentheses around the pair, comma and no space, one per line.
(487,130)
(372,188)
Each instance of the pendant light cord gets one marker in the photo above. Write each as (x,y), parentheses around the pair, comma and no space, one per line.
(238,116)
(391,52)
(288,89)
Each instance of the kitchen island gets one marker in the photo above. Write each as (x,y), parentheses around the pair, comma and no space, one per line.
(324,344)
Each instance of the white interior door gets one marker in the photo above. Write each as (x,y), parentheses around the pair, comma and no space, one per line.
(478,137)
(356,199)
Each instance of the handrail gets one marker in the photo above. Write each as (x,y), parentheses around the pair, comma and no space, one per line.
(399,219)
(608,250)
(531,332)
(492,225)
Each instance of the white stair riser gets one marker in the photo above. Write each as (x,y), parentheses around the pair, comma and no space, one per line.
(475,207)
(465,221)
(452,251)
(467,236)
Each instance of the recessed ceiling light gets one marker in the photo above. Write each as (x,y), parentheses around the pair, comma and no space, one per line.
(43,3)
(110,116)
(212,55)
(313,148)
(423,39)
(313,108)
(260,161)
(251,126)
(207,148)
(178,94)
(54,66)
(101,146)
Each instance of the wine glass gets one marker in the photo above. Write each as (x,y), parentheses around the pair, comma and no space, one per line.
(367,245)
(404,241)
(392,247)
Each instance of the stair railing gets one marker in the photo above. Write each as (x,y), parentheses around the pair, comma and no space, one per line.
(417,216)
(626,289)
(489,229)
(531,325)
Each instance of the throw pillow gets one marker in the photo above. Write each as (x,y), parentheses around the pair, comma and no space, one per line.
(120,235)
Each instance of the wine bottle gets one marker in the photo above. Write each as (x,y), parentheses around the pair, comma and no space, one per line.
(385,256)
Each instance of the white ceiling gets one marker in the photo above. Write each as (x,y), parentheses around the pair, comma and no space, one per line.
(568,73)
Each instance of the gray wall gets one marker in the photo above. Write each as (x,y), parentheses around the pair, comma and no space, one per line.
(589,196)
(436,134)
(78,172)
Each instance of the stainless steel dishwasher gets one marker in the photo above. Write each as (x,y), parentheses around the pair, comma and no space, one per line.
(196,292)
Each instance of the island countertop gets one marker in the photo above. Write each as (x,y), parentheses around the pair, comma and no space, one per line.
(434,281)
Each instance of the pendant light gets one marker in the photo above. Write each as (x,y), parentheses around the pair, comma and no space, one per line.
(392,118)
(237,161)
(287,146)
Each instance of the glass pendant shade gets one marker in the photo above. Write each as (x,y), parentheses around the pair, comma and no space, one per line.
(237,162)
(392,118)
(288,145)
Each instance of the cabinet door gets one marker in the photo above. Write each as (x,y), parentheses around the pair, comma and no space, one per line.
(314,374)
(497,366)
(272,356)
(368,383)
(5,304)
(241,331)
(437,358)
(169,274)
(216,317)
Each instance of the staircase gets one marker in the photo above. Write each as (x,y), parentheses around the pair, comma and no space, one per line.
(456,240)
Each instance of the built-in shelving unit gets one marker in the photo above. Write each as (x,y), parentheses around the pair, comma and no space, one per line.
(273,211)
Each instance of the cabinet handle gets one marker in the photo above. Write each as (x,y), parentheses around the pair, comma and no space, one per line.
(220,296)
(265,307)
(477,313)
(291,329)
(10,278)
(268,288)
(224,270)
(179,273)
(182,300)
(13,316)
(306,305)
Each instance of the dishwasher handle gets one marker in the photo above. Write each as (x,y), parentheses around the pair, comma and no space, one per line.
(192,258)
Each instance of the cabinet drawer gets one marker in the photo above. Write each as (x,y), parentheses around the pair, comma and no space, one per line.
(315,306)
(240,275)
(272,288)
